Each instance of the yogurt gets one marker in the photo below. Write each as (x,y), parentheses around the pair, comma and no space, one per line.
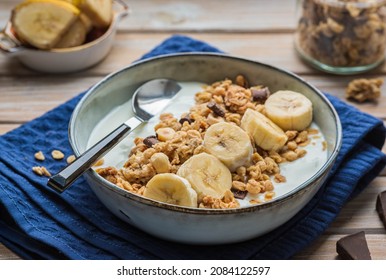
(296,172)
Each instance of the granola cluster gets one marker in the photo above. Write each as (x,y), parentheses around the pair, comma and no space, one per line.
(362,90)
(55,154)
(177,139)
(343,33)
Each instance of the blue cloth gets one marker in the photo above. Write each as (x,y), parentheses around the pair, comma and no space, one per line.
(38,223)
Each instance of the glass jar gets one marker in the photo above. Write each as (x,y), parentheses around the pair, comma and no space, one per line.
(341,36)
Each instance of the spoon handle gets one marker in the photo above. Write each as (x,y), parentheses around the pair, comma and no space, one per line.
(61,181)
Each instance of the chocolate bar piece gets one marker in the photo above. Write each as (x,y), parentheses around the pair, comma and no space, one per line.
(217,110)
(239,194)
(381,207)
(353,247)
(150,141)
(185,119)
(260,94)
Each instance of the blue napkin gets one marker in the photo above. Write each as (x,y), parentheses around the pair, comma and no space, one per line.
(38,223)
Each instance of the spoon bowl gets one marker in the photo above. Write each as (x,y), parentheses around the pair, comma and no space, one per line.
(148,100)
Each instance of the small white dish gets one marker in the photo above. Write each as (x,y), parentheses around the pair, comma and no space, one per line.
(67,59)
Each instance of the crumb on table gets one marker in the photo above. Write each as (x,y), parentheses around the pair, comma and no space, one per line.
(362,90)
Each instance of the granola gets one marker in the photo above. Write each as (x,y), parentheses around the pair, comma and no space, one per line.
(342,34)
(177,140)
(41,171)
(362,90)
(56,154)
(39,156)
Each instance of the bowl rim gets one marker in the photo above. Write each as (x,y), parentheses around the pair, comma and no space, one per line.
(150,202)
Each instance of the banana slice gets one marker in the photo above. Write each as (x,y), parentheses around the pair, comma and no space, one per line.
(75,36)
(99,11)
(86,22)
(229,143)
(41,23)
(172,189)
(264,132)
(207,175)
(289,109)
(85,19)
(73,2)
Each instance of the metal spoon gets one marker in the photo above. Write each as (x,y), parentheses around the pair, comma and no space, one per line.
(148,100)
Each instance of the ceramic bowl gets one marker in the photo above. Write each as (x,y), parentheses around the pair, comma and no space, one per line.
(64,60)
(196,225)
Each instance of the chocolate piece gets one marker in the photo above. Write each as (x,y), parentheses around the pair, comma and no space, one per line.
(260,94)
(353,247)
(217,110)
(239,194)
(150,141)
(381,207)
(185,119)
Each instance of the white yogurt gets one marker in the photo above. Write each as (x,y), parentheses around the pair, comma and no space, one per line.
(296,172)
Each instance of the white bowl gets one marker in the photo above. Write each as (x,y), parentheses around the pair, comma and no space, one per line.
(195,225)
(63,60)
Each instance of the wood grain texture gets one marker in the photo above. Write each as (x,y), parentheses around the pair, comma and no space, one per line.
(129,47)
(35,95)
(6,254)
(358,215)
(199,15)
(275,49)
(4,128)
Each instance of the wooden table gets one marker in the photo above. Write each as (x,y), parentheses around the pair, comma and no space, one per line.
(256,29)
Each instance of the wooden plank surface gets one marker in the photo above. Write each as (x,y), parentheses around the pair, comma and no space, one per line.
(359,214)
(129,47)
(261,30)
(6,254)
(199,15)
(276,49)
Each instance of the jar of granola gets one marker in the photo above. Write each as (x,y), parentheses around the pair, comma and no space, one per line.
(341,36)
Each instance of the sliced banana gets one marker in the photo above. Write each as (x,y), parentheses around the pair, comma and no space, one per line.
(86,21)
(83,17)
(172,189)
(264,132)
(76,3)
(289,109)
(42,23)
(99,11)
(74,37)
(207,175)
(229,143)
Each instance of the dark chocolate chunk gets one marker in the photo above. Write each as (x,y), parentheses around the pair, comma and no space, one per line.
(239,194)
(381,207)
(185,119)
(353,247)
(217,110)
(150,141)
(260,94)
